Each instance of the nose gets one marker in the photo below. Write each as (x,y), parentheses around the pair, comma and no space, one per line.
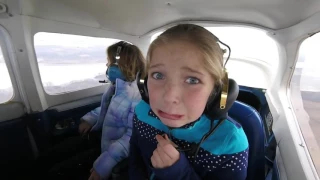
(172,93)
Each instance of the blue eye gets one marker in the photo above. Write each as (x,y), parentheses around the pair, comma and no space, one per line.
(192,80)
(157,75)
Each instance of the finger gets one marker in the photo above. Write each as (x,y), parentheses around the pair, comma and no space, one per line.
(86,130)
(94,177)
(165,158)
(157,157)
(170,151)
(91,170)
(171,142)
(161,140)
(154,162)
(80,129)
(90,178)
(166,137)
(157,160)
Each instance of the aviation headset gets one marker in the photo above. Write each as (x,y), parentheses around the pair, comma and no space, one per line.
(217,107)
(113,71)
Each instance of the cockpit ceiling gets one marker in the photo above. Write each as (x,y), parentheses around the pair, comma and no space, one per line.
(138,17)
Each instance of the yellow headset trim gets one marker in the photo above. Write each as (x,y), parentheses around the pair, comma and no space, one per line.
(225,88)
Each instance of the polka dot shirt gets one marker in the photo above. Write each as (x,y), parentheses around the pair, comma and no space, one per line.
(204,160)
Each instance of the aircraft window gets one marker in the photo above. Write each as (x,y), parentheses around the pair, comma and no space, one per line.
(70,63)
(305,95)
(254,55)
(6,89)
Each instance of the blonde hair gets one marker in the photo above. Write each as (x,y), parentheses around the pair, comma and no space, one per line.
(202,39)
(131,59)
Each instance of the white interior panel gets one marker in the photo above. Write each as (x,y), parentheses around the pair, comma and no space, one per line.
(293,150)
(141,16)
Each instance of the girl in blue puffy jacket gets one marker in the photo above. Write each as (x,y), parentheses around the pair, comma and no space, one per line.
(117,108)
(114,118)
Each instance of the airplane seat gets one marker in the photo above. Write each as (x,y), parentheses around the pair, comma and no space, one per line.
(15,150)
(252,125)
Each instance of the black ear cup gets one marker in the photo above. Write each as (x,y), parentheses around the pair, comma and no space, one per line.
(214,97)
(214,110)
(143,88)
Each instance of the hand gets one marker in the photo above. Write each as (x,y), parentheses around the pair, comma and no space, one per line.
(94,175)
(166,154)
(84,127)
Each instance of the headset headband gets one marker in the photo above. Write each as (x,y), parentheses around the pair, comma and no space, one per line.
(118,54)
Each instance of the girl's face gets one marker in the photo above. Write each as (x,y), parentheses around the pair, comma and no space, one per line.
(178,84)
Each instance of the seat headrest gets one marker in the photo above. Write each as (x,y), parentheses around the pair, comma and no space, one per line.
(213,111)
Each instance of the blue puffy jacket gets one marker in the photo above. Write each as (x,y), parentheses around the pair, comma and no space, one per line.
(114,116)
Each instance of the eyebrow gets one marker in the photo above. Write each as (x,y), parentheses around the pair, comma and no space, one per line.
(183,68)
(155,66)
(192,70)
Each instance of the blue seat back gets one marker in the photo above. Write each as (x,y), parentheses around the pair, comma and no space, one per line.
(252,124)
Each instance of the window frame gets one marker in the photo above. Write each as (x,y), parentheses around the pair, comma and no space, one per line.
(40,100)
(18,104)
(10,62)
(293,106)
(38,68)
